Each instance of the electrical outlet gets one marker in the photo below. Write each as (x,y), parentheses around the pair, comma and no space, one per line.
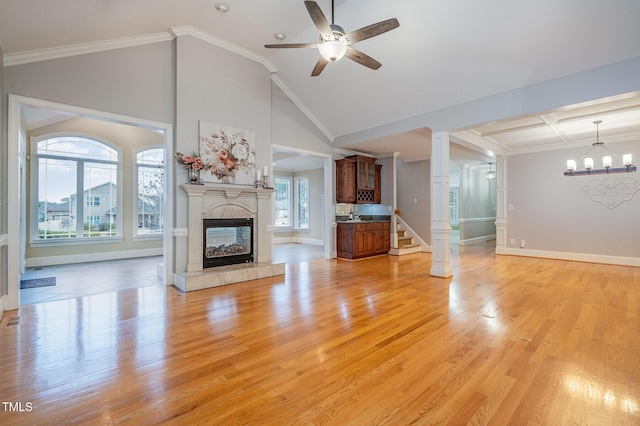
(521,243)
(513,241)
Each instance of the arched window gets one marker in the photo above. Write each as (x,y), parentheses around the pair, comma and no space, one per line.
(76,182)
(150,193)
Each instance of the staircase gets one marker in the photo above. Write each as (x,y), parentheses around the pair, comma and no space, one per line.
(405,244)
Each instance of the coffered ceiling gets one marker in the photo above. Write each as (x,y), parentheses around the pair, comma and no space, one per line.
(444,53)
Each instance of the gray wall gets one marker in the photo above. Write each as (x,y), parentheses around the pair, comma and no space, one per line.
(294,129)
(215,85)
(552,212)
(477,204)
(134,81)
(386,181)
(3,179)
(414,184)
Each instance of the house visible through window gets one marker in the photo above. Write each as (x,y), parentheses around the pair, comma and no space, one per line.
(150,193)
(74,177)
(93,201)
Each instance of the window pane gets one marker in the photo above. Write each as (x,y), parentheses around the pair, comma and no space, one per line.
(150,197)
(283,201)
(153,157)
(303,202)
(56,198)
(100,183)
(76,147)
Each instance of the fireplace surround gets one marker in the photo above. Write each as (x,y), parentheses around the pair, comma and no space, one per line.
(224,201)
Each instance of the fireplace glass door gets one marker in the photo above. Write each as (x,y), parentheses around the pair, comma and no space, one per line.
(227,242)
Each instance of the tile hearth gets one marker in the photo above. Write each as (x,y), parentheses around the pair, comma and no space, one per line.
(223,275)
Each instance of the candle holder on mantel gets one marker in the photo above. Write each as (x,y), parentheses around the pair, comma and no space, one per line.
(265,182)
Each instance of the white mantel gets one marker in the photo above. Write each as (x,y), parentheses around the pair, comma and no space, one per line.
(212,201)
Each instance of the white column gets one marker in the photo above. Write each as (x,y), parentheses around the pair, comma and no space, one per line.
(394,218)
(440,227)
(195,194)
(265,247)
(502,246)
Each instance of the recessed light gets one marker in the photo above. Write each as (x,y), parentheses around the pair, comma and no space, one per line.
(222,7)
(280,36)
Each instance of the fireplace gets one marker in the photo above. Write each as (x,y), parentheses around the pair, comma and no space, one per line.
(227,242)
(248,206)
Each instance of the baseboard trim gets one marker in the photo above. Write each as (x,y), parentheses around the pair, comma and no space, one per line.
(298,240)
(477,240)
(577,257)
(35,262)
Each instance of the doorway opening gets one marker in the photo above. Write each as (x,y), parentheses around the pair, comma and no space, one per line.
(303,207)
(30,118)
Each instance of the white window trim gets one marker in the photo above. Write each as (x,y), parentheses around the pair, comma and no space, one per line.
(290,225)
(33,192)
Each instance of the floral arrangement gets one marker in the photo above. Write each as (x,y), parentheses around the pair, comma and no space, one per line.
(228,153)
(192,161)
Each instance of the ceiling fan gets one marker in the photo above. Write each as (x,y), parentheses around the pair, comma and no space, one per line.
(335,43)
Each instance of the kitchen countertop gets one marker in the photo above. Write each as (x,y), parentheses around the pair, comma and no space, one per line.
(363,221)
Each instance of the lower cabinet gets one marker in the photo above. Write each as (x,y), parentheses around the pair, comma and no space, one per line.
(356,240)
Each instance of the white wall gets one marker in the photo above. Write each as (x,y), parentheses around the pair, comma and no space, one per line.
(552,212)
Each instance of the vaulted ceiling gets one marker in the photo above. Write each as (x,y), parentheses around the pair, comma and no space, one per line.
(444,53)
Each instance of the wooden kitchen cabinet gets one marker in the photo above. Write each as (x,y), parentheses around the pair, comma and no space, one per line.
(358,180)
(346,181)
(357,240)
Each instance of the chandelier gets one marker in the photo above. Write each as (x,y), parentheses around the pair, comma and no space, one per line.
(607,160)
(491,174)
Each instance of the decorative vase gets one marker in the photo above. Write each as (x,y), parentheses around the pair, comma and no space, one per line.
(194,176)
(228,179)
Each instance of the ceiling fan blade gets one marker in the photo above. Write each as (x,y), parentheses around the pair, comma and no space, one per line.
(293,45)
(320,65)
(370,31)
(362,58)
(319,20)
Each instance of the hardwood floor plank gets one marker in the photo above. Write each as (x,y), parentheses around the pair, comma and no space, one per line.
(378,341)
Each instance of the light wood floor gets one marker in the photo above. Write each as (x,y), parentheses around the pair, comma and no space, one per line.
(508,340)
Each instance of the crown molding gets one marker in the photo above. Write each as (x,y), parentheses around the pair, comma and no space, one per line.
(277,80)
(217,41)
(20,58)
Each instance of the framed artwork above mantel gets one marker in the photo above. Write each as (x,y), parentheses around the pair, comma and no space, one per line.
(231,153)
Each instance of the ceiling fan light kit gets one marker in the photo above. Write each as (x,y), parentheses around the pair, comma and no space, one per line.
(335,43)
(607,160)
(332,50)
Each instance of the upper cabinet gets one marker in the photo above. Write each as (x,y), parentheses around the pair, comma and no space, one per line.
(358,180)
